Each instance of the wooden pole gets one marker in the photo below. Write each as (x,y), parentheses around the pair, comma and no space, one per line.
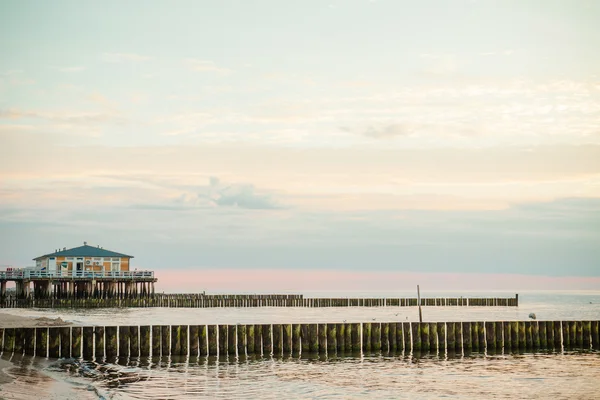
(145,341)
(111,341)
(156,341)
(419,302)
(65,342)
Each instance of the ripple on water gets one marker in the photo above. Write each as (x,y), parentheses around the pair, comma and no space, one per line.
(376,377)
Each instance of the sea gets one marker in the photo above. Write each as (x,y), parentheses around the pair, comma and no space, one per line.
(503,374)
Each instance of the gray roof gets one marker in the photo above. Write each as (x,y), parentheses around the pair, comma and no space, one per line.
(84,251)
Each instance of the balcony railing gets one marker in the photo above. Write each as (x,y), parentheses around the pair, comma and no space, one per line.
(19,274)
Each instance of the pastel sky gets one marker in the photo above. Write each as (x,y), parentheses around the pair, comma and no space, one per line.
(355,136)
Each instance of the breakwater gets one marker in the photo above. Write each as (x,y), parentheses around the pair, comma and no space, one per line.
(108,342)
(252,300)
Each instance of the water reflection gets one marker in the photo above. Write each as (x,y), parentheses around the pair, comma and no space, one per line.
(403,375)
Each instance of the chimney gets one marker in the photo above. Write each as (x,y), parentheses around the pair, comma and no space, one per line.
(85,243)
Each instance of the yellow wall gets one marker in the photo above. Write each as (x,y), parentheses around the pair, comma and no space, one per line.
(105,266)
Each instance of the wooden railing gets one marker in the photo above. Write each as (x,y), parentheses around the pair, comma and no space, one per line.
(24,274)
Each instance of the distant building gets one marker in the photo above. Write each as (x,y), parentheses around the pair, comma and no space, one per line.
(83,258)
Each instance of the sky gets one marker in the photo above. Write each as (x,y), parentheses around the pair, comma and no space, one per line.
(308,139)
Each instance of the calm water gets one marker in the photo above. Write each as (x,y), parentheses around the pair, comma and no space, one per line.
(510,375)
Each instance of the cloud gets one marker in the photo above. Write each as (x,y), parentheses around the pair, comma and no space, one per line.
(388,131)
(124,57)
(72,117)
(205,66)
(244,196)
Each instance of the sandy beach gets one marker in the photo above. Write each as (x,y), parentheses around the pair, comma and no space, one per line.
(17,321)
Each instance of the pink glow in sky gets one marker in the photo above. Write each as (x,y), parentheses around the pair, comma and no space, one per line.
(271,280)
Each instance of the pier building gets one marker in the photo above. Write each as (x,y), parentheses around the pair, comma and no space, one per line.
(80,272)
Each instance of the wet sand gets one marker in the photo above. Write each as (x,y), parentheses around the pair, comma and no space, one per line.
(17,321)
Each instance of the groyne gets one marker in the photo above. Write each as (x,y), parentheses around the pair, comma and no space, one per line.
(253,300)
(110,342)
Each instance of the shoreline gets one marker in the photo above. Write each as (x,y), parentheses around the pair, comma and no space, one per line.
(16,321)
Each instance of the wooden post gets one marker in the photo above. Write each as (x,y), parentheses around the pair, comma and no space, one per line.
(110,333)
(322,338)
(267,341)
(458,333)
(165,340)
(194,340)
(305,335)
(134,341)
(331,339)
(183,340)
(528,334)
(520,332)
(286,331)
(296,338)
(573,333)
(433,336)
(550,334)
(250,340)
(313,331)
(565,334)
(53,342)
(481,331)
(507,335)
(535,335)
(277,340)
(348,338)
(9,340)
(30,341)
(475,336)
(123,341)
(175,341)
(65,342)
(419,302)
(203,340)
(490,335)
(99,342)
(451,336)
(19,340)
(376,337)
(145,344)
(595,335)
(385,337)
(258,342)
(366,331)
(341,338)
(499,328)
(587,334)
(405,335)
(466,332)
(579,334)
(441,334)
(356,334)
(76,333)
(231,340)
(156,341)
(88,342)
(416,336)
(542,340)
(241,340)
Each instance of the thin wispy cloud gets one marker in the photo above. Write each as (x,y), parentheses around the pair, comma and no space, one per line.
(124,57)
(205,66)
(70,69)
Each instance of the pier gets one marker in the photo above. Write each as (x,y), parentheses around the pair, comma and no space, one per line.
(280,340)
(43,285)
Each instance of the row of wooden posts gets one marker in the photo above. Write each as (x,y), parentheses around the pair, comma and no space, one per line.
(210,301)
(99,342)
